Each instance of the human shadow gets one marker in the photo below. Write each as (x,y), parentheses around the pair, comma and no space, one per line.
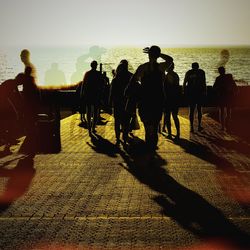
(185,206)
(54,76)
(5,152)
(238,146)
(203,152)
(18,183)
(103,146)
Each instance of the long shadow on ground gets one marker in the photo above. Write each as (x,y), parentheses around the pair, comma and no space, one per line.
(185,206)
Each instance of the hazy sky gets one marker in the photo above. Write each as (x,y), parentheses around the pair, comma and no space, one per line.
(128,22)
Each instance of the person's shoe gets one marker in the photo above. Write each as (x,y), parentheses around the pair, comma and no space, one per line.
(169,136)
(177,137)
(200,128)
(118,141)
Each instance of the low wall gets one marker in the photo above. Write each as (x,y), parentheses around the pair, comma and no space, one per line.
(69,98)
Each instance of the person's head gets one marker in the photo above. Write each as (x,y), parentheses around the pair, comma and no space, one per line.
(221,70)
(195,65)
(25,56)
(124,64)
(93,65)
(154,52)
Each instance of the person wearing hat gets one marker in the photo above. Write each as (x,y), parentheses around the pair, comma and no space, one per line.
(150,94)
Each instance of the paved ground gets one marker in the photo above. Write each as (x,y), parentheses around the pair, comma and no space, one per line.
(194,194)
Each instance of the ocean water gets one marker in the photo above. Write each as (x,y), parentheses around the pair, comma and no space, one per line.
(65,65)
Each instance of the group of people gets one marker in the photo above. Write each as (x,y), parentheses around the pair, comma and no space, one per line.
(155,90)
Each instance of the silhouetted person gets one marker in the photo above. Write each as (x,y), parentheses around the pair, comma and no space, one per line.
(118,99)
(31,98)
(54,76)
(25,58)
(151,76)
(106,91)
(172,95)
(224,58)
(225,89)
(92,92)
(195,89)
(11,110)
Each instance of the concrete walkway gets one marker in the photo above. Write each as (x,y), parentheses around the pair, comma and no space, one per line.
(194,194)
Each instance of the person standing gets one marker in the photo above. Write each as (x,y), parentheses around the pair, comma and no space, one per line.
(195,90)
(172,94)
(118,100)
(31,99)
(150,76)
(225,89)
(92,92)
(25,58)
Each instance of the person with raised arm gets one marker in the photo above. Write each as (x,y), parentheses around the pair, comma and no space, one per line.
(150,94)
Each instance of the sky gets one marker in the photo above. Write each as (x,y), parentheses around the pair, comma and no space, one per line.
(172,23)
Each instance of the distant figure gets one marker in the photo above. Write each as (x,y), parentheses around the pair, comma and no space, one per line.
(95,53)
(224,58)
(225,89)
(195,89)
(172,102)
(54,76)
(150,95)
(118,100)
(92,90)
(25,58)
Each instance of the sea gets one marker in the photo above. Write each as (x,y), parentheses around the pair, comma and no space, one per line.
(67,65)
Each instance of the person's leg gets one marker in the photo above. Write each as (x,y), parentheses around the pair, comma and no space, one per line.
(89,116)
(191,116)
(95,114)
(199,110)
(125,126)
(228,116)
(176,121)
(168,121)
(151,135)
(164,122)
(222,118)
(117,129)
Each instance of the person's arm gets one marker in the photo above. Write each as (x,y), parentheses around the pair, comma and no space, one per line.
(164,65)
(136,77)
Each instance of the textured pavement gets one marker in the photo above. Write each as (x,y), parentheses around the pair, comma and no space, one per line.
(194,194)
